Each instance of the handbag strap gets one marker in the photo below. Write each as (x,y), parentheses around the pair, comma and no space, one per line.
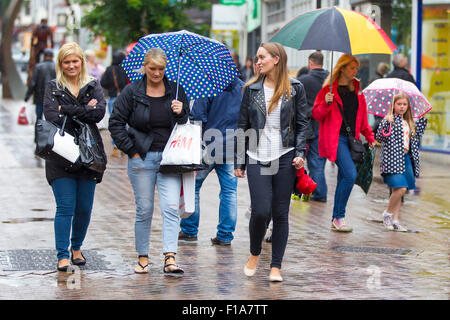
(116,84)
(61,131)
(347,127)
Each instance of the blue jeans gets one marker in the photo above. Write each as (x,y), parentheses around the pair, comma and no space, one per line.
(74,199)
(39,111)
(111,104)
(144,176)
(110,109)
(227,207)
(316,167)
(345,179)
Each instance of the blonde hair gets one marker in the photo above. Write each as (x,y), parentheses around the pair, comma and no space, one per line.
(343,62)
(155,55)
(408,114)
(61,80)
(282,80)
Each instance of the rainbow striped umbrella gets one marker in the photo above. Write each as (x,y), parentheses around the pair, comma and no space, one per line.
(202,66)
(334,29)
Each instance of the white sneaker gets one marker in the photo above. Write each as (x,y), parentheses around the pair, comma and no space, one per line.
(397,227)
(387,221)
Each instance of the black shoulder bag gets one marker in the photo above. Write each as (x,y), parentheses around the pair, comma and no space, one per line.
(356,146)
(92,155)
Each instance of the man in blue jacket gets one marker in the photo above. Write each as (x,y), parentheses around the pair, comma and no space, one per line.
(218,115)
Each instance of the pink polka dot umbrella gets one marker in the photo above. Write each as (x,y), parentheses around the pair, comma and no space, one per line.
(380,94)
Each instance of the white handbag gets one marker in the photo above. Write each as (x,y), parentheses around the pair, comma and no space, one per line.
(52,143)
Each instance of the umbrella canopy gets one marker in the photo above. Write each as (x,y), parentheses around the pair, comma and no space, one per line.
(130,47)
(202,66)
(379,95)
(334,29)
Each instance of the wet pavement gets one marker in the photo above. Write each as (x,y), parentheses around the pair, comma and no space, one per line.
(369,263)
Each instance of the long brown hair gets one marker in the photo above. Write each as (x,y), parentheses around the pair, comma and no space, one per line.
(282,80)
(408,114)
(343,61)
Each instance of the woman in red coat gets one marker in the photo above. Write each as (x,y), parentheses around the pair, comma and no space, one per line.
(333,137)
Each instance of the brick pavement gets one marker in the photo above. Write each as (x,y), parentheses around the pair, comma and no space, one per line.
(318,263)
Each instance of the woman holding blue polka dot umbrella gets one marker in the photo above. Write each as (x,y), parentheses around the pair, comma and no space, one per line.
(202,66)
(143,117)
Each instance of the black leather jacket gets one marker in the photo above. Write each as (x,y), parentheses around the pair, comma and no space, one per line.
(293,118)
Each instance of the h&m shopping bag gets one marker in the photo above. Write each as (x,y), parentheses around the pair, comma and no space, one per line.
(183,151)
(187,195)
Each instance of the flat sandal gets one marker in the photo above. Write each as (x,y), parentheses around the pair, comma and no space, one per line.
(177,268)
(144,269)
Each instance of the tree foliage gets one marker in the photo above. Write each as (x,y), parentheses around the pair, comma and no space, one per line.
(401,20)
(124,21)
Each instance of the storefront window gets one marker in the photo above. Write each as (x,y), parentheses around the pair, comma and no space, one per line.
(436,76)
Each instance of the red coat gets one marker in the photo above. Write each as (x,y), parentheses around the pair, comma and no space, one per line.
(330,120)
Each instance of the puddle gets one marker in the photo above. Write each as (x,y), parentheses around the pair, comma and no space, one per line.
(25,220)
(442,218)
(39,210)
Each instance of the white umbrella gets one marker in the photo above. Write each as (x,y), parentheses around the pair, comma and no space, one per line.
(380,93)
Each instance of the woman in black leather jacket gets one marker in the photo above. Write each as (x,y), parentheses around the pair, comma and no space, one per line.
(73,93)
(273,117)
(143,117)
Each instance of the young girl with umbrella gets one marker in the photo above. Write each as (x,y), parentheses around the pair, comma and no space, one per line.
(399,137)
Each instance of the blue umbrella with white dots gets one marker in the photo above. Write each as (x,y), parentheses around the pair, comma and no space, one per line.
(202,66)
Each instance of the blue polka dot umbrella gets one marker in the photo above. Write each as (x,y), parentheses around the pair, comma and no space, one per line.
(202,66)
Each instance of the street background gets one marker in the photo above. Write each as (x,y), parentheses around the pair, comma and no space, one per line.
(369,263)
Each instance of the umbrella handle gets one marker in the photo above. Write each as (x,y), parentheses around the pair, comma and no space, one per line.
(331,75)
(178,74)
(387,134)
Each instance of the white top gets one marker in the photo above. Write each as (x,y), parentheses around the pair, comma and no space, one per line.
(405,135)
(270,145)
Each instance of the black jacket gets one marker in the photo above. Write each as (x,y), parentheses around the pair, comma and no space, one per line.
(293,119)
(132,108)
(71,107)
(107,80)
(312,81)
(42,74)
(401,73)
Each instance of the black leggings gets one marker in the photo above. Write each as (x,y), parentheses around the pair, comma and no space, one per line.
(271,195)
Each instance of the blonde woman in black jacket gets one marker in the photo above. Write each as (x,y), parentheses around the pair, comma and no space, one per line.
(73,93)
(143,117)
(273,114)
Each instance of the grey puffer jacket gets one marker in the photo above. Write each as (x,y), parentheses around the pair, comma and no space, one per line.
(391,138)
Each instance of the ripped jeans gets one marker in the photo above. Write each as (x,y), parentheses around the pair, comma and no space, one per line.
(144,176)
